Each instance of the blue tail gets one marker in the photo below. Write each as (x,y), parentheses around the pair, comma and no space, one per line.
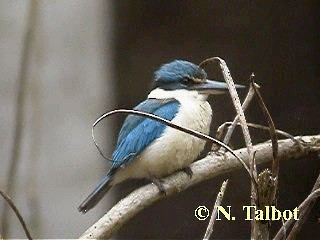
(96,195)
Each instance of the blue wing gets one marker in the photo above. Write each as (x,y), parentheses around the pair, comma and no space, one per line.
(138,132)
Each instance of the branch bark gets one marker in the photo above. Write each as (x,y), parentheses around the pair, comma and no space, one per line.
(267,180)
(233,125)
(209,167)
(16,211)
(303,215)
(168,123)
(246,134)
(215,210)
(303,206)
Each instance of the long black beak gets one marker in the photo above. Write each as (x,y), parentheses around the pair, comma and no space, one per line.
(212,87)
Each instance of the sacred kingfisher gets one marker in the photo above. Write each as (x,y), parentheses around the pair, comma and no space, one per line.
(150,149)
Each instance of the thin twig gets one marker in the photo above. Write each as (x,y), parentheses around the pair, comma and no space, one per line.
(16,211)
(235,99)
(284,229)
(19,112)
(215,210)
(304,214)
(170,124)
(258,126)
(304,205)
(273,135)
(244,127)
(207,168)
(267,181)
(245,104)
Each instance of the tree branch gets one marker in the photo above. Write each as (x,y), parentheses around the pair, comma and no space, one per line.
(267,180)
(233,125)
(215,210)
(245,130)
(209,167)
(273,135)
(168,123)
(262,127)
(303,215)
(303,206)
(16,211)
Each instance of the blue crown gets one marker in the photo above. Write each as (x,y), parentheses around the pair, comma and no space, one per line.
(178,70)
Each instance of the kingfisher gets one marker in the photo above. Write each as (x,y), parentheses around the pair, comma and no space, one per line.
(150,149)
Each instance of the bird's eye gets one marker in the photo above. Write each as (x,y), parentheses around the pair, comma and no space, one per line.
(187,80)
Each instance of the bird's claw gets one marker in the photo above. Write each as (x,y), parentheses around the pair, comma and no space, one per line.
(159,183)
(188,171)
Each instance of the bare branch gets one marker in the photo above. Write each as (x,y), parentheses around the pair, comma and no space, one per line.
(16,211)
(284,229)
(245,104)
(303,206)
(19,113)
(273,135)
(267,181)
(304,214)
(244,127)
(236,102)
(170,124)
(209,167)
(242,119)
(215,210)
(258,126)
(235,99)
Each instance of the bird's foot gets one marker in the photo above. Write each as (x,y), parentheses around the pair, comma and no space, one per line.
(188,171)
(159,183)
(219,152)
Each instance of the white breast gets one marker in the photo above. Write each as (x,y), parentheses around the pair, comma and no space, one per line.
(174,150)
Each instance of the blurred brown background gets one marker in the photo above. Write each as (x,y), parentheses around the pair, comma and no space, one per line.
(93,56)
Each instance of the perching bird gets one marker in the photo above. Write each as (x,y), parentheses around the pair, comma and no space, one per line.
(150,149)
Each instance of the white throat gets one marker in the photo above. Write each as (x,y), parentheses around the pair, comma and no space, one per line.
(179,94)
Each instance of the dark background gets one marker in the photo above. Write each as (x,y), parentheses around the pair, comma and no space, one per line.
(278,41)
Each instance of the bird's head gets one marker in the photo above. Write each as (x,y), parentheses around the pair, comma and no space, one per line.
(180,74)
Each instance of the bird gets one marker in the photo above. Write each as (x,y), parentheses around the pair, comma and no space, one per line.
(149,149)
